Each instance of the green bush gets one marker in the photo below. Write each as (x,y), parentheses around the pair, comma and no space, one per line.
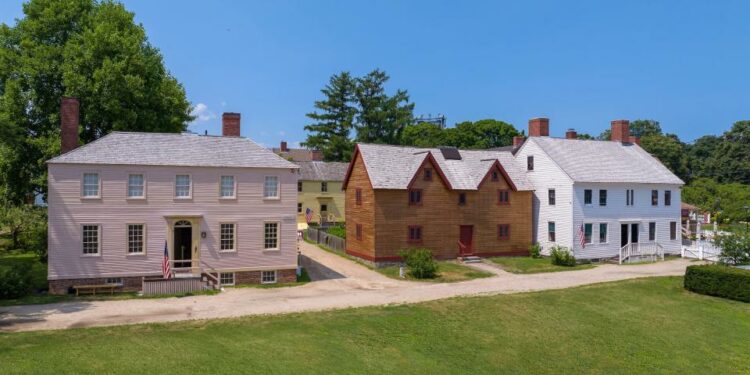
(535,251)
(338,231)
(560,256)
(719,280)
(420,263)
(735,247)
(15,281)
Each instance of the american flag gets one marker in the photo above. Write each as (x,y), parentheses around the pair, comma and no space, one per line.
(581,237)
(165,271)
(308,214)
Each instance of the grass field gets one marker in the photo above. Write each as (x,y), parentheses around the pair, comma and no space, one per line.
(639,326)
(533,265)
(448,272)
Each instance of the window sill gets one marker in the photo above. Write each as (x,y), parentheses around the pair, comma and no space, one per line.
(276,250)
(91,198)
(136,199)
(136,254)
(97,255)
(269,282)
(227,251)
(183,199)
(271,198)
(228,198)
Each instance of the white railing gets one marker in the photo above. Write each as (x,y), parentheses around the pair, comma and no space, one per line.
(702,250)
(641,250)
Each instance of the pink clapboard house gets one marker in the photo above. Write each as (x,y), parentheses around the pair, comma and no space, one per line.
(223,207)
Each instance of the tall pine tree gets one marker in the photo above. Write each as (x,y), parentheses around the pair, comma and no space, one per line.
(381,118)
(330,133)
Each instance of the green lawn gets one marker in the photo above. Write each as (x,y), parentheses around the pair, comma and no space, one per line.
(448,272)
(533,265)
(639,326)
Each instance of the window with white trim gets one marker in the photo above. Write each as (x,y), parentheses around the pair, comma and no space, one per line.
(271,236)
(324,186)
(90,239)
(603,232)
(652,231)
(182,186)
(228,236)
(268,277)
(588,229)
(90,185)
(136,238)
(136,186)
(227,187)
(226,278)
(271,187)
(113,280)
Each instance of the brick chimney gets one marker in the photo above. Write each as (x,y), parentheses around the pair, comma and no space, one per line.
(230,124)
(539,127)
(316,155)
(620,131)
(283,147)
(518,141)
(571,134)
(69,119)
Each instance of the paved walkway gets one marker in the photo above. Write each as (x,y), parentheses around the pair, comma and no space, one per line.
(340,283)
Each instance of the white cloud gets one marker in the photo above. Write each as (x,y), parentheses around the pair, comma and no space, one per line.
(202,113)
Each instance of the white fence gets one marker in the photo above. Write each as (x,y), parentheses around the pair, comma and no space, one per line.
(641,252)
(321,237)
(703,250)
(173,286)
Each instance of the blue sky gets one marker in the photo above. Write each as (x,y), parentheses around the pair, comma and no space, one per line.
(582,64)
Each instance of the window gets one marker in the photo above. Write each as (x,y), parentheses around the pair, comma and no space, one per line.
(415,196)
(91,185)
(324,186)
(462,199)
(228,236)
(358,233)
(226,278)
(428,174)
(299,186)
(551,231)
(415,233)
(90,237)
(299,208)
(113,280)
(602,232)
(587,229)
(271,187)
(652,231)
(136,188)
(667,197)
(503,197)
(551,197)
(358,196)
(587,197)
(602,197)
(495,176)
(672,230)
(271,236)
(503,231)
(654,197)
(323,208)
(268,277)
(182,186)
(136,238)
(530,163)
(629,197)
(227,186)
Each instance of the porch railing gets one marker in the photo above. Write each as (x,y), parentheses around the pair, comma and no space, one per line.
(641,250)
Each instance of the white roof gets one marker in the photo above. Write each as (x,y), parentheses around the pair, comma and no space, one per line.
(605,161)
(393,167)
(173,149)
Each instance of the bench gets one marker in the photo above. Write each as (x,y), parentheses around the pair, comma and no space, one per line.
(94,288)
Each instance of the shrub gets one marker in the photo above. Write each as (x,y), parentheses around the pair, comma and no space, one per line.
(15,281)
(420,263)
(562,257)
(735,247)
(719,280)
(338,231)
(535,251)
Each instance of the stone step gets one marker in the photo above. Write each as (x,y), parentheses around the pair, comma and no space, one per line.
(471,259)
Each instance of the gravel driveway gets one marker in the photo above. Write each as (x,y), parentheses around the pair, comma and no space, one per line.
(339,283)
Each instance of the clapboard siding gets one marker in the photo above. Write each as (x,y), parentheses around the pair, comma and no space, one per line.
(67,212)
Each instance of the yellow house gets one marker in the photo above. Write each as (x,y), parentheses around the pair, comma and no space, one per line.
(319,191)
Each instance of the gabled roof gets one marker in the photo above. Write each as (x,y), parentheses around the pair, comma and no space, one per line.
(322,171)
(605,161)
(394,167)
(173,149)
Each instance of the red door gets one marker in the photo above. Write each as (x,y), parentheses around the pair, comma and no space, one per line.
(465,240)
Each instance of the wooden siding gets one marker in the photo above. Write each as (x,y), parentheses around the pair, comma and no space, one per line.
(440,217)
(67,212)
(360,214)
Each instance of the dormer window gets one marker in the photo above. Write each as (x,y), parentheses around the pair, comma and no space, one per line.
(428,174)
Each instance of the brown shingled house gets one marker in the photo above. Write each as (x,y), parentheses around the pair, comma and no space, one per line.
(456,203)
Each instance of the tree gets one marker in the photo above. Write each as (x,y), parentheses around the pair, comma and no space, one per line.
(87,49)
(424,134)
(731,160)
(700,156)
(669,150)
(17,220)
(585,136)
(735,247)
(481,134)
(381,118)
(331,131)
(643,128)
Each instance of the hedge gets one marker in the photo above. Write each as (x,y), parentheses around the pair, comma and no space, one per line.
(719,280)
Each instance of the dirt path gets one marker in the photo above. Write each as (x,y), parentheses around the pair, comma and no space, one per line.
(340,283)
